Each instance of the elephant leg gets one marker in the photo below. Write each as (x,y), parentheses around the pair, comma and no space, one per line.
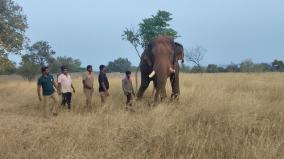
(145,81)
(174,78)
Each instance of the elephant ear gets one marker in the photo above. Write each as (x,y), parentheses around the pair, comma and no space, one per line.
(147,55)
(179,52)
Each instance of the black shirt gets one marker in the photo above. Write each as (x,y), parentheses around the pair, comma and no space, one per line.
(103,79)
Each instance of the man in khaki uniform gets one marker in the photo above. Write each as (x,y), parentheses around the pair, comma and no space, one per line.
(128,88)
(88,85)
(47,84)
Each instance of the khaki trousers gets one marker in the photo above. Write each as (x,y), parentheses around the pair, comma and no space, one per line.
(89,94)
(50,104)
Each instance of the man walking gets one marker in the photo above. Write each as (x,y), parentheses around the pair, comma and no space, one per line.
(103,84)
(47,84)
(65,87)
(88,85)
(128,88)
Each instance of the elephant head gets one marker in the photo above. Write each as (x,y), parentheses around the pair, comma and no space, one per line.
(179,52)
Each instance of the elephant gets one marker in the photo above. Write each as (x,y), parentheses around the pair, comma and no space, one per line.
(158,62)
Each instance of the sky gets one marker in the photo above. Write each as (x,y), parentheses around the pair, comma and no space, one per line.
(230,30)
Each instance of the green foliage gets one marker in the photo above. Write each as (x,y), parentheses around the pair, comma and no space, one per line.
(119,65)
(74,65)
(232,68)
(42,52)
(184,68)
(212,68)
(7,67)
(156,25)
(198,69)
(149,28)
(29,70)
(247,66)
(133,37)
(262,67)
(13,25)
(278,65)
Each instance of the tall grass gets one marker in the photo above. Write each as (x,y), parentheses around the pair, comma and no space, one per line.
(218,116)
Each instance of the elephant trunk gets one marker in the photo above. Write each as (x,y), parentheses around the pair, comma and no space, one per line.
(161,72)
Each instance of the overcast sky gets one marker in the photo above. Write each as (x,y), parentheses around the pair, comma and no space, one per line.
(231,30)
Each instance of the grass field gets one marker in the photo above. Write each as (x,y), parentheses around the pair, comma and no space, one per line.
(218,116)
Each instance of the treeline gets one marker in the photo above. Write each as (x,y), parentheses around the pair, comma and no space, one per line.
(245,66)
(37,55)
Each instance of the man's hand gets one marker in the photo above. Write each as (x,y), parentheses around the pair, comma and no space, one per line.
(74,90)
(107,93)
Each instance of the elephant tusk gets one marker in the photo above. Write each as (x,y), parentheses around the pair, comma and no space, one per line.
(172,70)
(152,74)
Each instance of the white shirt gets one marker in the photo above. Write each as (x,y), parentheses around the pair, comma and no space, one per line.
(65,81)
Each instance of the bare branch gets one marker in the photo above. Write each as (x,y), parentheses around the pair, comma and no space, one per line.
(195,55)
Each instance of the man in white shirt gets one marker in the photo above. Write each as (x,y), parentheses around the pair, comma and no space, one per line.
(65,87)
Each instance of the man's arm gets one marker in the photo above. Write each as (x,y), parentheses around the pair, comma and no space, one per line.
(55,86)
(123,86)
(73,88)
(38,92)
(104,86)
(59,84)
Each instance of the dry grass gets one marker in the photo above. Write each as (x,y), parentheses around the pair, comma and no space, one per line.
(218,116)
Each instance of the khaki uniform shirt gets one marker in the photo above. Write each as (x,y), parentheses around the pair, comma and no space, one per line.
(89,79)
(127,86)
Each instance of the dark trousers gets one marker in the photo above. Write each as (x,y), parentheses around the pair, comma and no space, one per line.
(128,99)
(66,98)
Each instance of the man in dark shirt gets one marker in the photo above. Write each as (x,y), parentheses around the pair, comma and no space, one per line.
(47,84)
(103,84)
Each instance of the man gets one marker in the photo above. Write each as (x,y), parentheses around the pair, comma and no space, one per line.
(65,87)
(88,85)
(128,88)
(103,84)
(47,84)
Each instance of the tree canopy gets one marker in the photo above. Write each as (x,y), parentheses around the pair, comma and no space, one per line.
(119,65)
(13,24)
(41,54)
(148,29)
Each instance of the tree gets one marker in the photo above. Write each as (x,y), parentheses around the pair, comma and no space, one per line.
(39,54)
(232,68)
(7,67)
(119,65)
(28,68)
(247,66)
(42,52)
(13,24)
(184,68)
(73,65)
(195,55)
(133,37)
(262,67)
(278,65)
(198,69)
(148,29)
(221,69)
(212,68)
